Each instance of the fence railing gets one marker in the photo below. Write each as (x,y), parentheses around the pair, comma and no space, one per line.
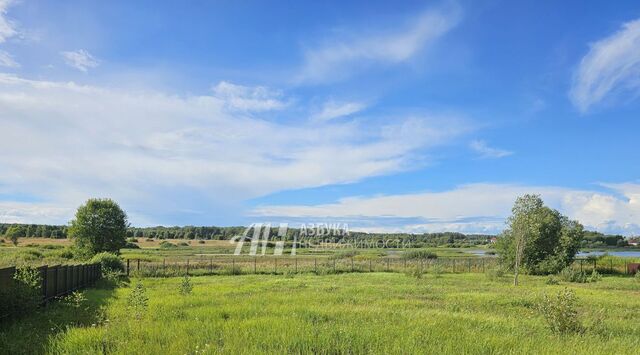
(57,280)
(236,265)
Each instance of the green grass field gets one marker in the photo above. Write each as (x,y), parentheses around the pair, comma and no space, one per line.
(358,313)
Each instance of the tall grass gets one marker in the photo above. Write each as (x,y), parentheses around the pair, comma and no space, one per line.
(383,313)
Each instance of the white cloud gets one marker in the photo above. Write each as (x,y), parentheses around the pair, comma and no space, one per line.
(153,151)
(244,98)
(80,59)
(486,152)
(337,57)
(331,110)
(612,64)
(7,27)
(24,212)
(6,60)
(476,208)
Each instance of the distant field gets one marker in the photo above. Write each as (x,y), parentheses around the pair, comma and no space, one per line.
(386,313)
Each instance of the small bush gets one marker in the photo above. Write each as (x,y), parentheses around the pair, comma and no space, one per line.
(23,296)
(419,254)
(132,240)
(167,245)
(183,244)
(569,274)
(75,299)
(109,262)
(129,245)
(560,312)
(551,280)
(594,277)
(138,301)
(201,241)
(186,287)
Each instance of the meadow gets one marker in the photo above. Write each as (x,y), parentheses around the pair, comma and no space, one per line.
(358,313)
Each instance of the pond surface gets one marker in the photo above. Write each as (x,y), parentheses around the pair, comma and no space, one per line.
(625,254)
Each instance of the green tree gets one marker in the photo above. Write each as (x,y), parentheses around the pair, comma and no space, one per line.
(99,225)
(538,239)
(15,232)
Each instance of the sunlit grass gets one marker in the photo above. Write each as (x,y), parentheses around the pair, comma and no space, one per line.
(355,313)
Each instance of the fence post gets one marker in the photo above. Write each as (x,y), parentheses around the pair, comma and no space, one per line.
(138,264)
(55,281)
(370,270)
(44,282)
(187,266)
(388,264)
(296,262)
(255,261)
(334,265)
(352,264)
(128,260)
(611,266)
(482,265)
(275,265)
(581,261)
(469,265)
(315,265)
(453,266)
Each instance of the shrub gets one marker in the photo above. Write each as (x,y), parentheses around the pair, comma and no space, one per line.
(75,299)
(132,240)
(569,274)
(23,296)
(129,245)
(551,280)
(138,301)
(595,277)
(183,244)
(201,241)
(344,254)
(109,262)
(167,245)
(560,312)
(419,254)
(186,287)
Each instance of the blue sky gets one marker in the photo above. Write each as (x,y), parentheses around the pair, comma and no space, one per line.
(417,116)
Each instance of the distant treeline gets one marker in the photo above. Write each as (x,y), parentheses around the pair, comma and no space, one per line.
(225,233)
(591,239)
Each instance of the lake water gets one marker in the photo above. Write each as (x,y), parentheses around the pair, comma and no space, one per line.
(627,254)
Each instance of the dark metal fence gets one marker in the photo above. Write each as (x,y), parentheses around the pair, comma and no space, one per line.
(57,280)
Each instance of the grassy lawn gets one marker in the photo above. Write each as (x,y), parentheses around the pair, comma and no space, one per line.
(345,313)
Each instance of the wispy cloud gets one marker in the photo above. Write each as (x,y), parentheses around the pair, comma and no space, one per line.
(7,27)
(150,148)
(80,59)
(473,208)
(245,98)
(612,64)
(486,152)
(7,61)
(337,58)
(331,110)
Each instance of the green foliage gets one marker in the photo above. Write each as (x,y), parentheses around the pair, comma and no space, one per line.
(437,270)
(167,245)
(561,312)
(494,274)
(99,225)
(419,254)
(109,262)
(549,240)
(417,272)
(570,274)
(23,294)
(185,286)
(552,280)
(15,232)
(75,299)
(138,301)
